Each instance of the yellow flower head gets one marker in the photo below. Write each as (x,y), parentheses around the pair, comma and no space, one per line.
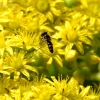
(46,8)
(16,62)
(89,4)
(7,85)
(74,32)
(64,89)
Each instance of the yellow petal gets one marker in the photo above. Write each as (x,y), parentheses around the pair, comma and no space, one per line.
(25,73)
(85,91)
(68,47)
(31,68)
(50,16)
(49,61)
(80,47)
(67,25)
(58,60)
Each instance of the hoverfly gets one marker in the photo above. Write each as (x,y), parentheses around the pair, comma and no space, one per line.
(47,39)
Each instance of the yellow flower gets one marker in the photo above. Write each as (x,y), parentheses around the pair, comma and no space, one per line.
(25,39)
(41,92)
(40,89)
(94,93)
(15,19)
(3,3)
(92,12)
(65,89)
(7,85)
(89,93)
(4,43)
(4,15)
(84,91)
(16,62)
(52,58)
(25,88)
(33,23)
(74,32)
(46,8)
(23,3)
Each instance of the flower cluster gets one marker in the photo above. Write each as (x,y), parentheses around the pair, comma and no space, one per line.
(45,89)
(73,27)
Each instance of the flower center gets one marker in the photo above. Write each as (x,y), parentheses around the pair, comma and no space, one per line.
(17,63)
(42,6)
(72,36)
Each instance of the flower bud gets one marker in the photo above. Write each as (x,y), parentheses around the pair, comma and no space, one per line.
(86,72)
(79,76)
(71,55)
(42,5)
(96,76)
(70,3)
(92,58)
